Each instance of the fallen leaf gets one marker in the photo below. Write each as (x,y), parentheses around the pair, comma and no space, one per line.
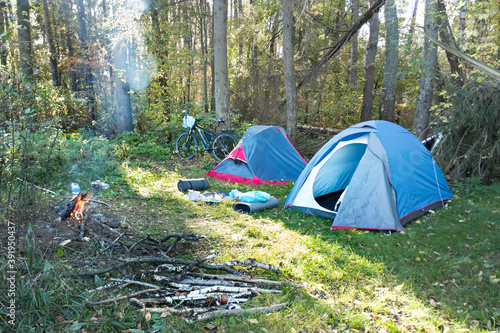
(398,287)
(147,315)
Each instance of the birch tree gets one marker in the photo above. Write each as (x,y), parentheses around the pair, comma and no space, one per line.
(24,37)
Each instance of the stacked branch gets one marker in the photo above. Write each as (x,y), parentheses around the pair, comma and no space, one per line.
(196,289)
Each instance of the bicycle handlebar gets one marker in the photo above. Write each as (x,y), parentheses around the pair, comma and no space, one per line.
(217,121)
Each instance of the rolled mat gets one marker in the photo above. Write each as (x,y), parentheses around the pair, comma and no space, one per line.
(192,184)
(248,207)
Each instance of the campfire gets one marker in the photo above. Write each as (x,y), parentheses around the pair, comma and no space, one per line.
(75,209)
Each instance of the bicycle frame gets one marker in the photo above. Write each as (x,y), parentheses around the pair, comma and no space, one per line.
(206,143)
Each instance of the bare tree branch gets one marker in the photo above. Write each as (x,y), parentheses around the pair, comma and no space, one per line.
(341,42)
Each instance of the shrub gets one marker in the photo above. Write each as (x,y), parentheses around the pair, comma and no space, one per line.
(471,148)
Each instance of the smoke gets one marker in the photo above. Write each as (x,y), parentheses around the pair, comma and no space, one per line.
(132,61)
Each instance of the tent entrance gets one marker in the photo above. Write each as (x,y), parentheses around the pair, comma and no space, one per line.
(329,200)
(336,173)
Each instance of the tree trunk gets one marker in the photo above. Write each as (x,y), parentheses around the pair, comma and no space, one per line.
(462,25)
(88,77)
(238,10)
(204,51)
(3,29)
(50,41)
(212,60)
(288,60)
(389,85)
(69,43)
(109,47)
(428,72)
(188,41)
(24,37)
(354,46)
(220,62)
(371,52)
(124,120)
(408,47)
(446,36)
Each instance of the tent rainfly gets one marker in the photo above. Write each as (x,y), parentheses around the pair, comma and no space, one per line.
(373,175)
(263,155)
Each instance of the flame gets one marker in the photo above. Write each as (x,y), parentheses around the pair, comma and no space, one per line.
(78,212)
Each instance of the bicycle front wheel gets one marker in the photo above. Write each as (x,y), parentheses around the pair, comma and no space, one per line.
(223,144)
(186,146)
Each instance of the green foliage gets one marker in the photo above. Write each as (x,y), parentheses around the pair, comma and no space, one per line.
(40,299)
(469,187)
(134,145)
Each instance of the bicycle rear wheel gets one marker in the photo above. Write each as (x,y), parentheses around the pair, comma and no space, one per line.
(223,144)
(186,146)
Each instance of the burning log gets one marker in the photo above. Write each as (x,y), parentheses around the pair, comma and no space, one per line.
(73,209)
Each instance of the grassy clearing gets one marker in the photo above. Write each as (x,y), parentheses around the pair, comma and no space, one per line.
(441,275)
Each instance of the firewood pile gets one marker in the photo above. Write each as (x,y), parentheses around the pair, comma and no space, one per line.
(151,274)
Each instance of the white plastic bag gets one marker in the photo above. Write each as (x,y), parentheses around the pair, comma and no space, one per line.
(188,121)
(194,195)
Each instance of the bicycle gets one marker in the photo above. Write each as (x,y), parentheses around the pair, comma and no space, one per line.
(187,144)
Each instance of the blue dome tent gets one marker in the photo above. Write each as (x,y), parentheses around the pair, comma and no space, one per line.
(263,156)
(373,175)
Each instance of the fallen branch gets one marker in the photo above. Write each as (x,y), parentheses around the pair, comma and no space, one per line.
(214,282)
(189,237)
(137,302)
(36,186)
(194,263)
(136,282)
(83,222)
(100,202)
(322,130)
(190,311)
(106,286)
(178,237)
(252,263)
(225,289)
(246,279)
(196,297)
(229,313)
(483,67)
(113,242)
(115,299)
